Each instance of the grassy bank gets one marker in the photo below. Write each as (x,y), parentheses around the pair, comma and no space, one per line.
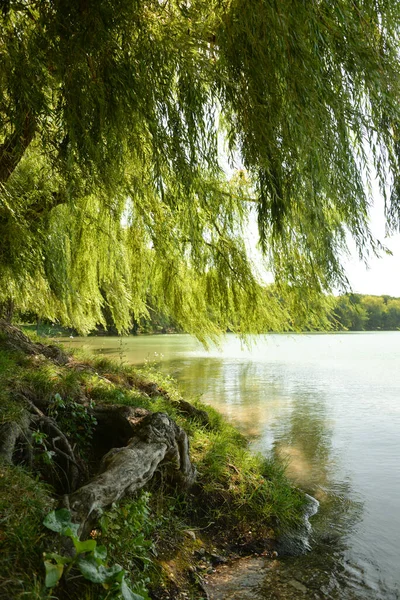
(163,537)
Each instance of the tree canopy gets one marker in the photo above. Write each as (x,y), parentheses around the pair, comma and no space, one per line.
(358,312)
(113,191)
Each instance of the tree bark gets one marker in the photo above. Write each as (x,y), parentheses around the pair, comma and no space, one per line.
(10,432)
(17,340)
(13,149)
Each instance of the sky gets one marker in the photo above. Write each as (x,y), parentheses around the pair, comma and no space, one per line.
(381,277)
(383,274)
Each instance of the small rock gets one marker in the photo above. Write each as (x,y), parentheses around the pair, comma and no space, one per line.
(297,585)
(190,534)
(215,559)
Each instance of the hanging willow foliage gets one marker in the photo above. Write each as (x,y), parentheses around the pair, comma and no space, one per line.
(112,193)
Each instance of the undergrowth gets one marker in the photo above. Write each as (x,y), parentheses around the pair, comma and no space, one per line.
(239,498)
(24,501)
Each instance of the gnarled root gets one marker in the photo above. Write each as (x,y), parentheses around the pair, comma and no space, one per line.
(10,433)
(17,340)
(157,440)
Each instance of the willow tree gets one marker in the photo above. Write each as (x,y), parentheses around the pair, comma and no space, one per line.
(112,116)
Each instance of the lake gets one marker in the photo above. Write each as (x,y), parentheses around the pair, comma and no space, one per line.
(328,405)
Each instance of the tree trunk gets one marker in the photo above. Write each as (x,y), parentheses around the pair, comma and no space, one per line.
(14,146)
(7,309)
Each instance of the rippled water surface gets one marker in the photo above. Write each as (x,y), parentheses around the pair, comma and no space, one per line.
(328,404)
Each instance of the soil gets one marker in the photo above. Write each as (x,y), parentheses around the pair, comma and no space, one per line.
(255,578)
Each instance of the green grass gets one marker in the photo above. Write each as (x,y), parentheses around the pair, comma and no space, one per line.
(240,491)
(24,501)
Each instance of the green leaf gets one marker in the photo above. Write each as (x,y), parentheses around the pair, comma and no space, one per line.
(100,553)
(86,546)
(57,520)
(60,522)
(53,573)
(119,577)
(71,531)
(127,593)
(60,560)
(96,573)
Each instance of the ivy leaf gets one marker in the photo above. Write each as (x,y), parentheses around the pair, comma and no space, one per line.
(57,520)
(86,546)
(53,573)
(127,593)
(96,573)
(100,553)
(60,522)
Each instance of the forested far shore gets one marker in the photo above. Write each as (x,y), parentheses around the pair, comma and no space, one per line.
(358,312)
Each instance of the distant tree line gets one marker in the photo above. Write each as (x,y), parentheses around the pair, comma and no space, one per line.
(357,312)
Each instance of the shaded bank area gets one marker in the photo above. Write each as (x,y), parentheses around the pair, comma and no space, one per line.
(162,491)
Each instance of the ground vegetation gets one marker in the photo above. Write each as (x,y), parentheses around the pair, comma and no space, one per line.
(101,452)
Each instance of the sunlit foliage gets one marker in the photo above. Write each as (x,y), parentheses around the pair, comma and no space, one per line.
(112,119)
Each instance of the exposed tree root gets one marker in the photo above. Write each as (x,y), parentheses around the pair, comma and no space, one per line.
(17,340)
(10,434)
(73,469)
(130,444)
(157,441)
(17,446)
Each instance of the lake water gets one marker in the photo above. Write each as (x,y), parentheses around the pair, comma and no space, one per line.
(328,404)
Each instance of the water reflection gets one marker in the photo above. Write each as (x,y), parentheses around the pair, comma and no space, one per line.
(304,438)
(237,389)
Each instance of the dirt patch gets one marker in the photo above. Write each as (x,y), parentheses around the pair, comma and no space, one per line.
(254,578)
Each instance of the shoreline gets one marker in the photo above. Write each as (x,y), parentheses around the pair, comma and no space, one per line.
(225,512)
